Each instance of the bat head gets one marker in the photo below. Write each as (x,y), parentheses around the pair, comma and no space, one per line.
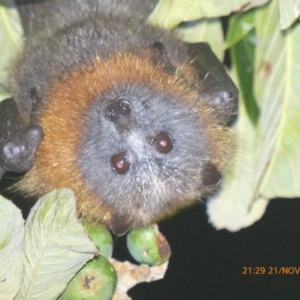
(133,141)
(146,152)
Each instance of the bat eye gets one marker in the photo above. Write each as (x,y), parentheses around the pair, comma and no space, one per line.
(120,163)
(117,109)
(162,142)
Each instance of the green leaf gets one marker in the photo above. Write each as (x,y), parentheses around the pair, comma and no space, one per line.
(242,56)
(278,92)
(11,240)
(289,12)
(206,30)
(239,26)
(169,13)
(56,246)
(11,33)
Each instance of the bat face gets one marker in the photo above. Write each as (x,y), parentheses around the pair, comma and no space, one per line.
(144,152)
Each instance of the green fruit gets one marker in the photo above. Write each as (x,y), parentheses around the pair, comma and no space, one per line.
(101,237)
(95,281)
(147,245)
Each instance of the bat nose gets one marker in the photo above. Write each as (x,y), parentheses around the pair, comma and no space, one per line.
(119,112)
(118,109)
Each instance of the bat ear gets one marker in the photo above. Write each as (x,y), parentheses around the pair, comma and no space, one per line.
(120,224)
(213,82)
(211,176)
(160,57)
(18,139)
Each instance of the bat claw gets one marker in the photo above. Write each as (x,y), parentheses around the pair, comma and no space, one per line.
(17,154)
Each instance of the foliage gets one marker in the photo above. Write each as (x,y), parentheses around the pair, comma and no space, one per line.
(50,252)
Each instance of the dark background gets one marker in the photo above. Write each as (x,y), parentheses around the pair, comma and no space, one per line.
(208,264)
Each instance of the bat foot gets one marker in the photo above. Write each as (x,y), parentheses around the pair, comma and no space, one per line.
(17,154)
(222,98)
(226,104)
